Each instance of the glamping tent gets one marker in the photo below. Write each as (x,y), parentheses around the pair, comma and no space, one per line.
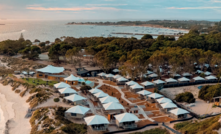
(179,113)
(171,81)
(97,122)
(67,91)
(121,81)
(136,88)
(147,85)
(76,99)
(76,112)
(49,70)
(61,85)
(72,80)
(126,120)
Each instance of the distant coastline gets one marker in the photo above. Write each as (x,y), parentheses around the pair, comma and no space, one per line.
(142,25)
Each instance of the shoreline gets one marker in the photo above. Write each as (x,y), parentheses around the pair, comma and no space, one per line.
(13,111)
(144,25)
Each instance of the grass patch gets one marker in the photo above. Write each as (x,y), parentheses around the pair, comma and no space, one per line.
(34,81)
(56,99)
(206,126)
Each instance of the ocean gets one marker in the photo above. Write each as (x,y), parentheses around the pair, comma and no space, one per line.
(50,30)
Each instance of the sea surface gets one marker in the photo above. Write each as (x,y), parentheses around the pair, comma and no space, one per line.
(50,30)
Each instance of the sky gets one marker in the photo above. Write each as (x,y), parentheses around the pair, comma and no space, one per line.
(110,9)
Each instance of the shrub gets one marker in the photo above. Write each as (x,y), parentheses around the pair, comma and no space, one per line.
(185,97)
(56,99)
(153,131)
(206,93)
(17,91)
(85,88)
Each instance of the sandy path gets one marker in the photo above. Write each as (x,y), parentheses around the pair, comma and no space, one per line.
(14,109)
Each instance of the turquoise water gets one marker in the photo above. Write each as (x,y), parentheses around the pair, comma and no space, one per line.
(199,87)
(49,30)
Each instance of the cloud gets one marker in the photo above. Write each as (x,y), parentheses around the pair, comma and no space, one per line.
(97,5)
(187,8)
(71,9)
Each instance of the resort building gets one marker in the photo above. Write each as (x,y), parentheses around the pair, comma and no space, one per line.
(112,108)
(183,80)
(147,85)
(179,113)
(76,112)
(108,99)
(207,73)
(143,94)
(88,71)
(198,79)
(126,120)
(171,81)
(76,99)
(158,82)
(71,80)
(50,72)
(109,76)
(163,100)
(211,78)
(168,106)
(176,76)
(115,71)
(116,77)
(67,91)
(89,83)
(95,90)
(136,88)
(154,96)
(102,75)
(97,123)
(99,95)
(152,76)
(121,81)
(130,83)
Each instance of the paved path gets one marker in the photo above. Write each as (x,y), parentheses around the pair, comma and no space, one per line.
(174,131)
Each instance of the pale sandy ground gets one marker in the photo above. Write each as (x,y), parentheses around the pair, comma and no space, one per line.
(201,107)
(14,109)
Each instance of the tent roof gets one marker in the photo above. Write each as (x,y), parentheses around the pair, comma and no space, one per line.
(149,72)
(199,71)
(170,80)
(61,85)
(130,83)
(78,109)
(155,95)
(102,74)
(81,80)
(198,78)
(207,73)
(163,100)
(113,106)
(158,81)
(211,77)
(126,117)
(153,75)
(117,76)
(51,69)
(187,74)
(101,95)
(67,90)
(109,75)
(71,78)
(75,97)
(136,86)
(96,120)
(122,79)
(183,79)
(108,99)
(168,105)
(95,90)
(116,70)
(176,75)
(147,83)
(179,111)
(144,92)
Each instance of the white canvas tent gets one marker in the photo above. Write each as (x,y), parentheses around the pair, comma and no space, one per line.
(61,85)
(96,120)
(67,90)
(155,95)
(144,92)
(183,79)
(101,95)
(108,99)
(178,111)
(171,80)
(71,78)
(130,83)
(168,105)
(74,98)
(158,82)
(78,110)
(210,77)
(126,117)
(102,74)
(163,100)
(207,73)
(198,78)
(113,106)
(95,90)
(116,70)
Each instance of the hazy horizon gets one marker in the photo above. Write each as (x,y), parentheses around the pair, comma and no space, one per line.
(110,10)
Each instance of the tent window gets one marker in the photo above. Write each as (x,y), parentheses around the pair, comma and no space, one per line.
(73,114)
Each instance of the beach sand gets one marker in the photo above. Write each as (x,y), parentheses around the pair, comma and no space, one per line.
(14,109)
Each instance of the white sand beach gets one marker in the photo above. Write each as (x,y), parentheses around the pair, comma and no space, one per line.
(13,108)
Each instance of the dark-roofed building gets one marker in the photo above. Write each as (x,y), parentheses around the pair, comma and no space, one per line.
(88,71)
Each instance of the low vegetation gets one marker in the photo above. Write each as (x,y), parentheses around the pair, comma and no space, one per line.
(207,126)
(206,93)
(185,97)
(153,131)
(36,82)
(42,123)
